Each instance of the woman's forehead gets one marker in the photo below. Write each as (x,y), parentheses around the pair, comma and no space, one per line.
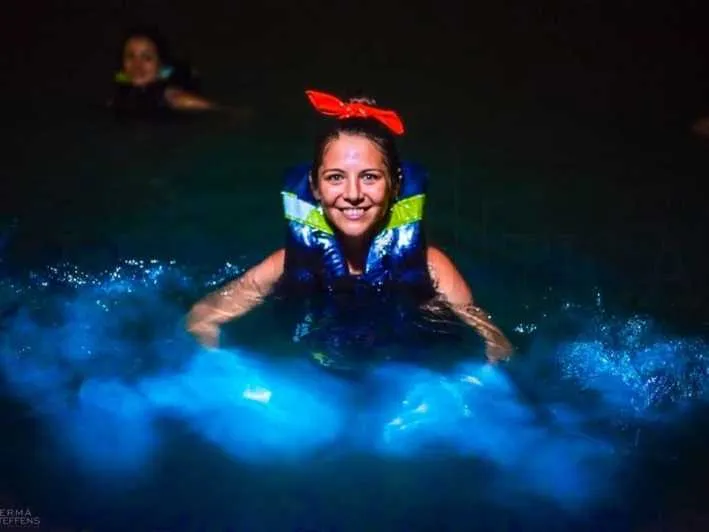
(353,150)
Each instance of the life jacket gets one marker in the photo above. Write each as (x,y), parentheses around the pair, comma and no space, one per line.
(165,73)
(344,312)
(148,102)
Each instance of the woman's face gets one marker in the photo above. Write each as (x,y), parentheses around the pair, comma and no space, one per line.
(141,61)
(353,185)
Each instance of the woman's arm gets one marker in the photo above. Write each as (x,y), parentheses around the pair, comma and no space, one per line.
(456,293)
(234,299)
(187,101)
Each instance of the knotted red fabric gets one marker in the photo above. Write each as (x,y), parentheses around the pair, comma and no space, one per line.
(330,105)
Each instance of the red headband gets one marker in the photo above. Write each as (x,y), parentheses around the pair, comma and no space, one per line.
(332,106)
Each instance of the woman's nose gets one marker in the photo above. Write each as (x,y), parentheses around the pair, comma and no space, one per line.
(353,191)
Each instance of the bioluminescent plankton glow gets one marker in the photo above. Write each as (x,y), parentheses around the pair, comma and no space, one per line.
(103,359)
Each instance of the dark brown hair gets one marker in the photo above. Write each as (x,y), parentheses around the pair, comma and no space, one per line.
(369,128)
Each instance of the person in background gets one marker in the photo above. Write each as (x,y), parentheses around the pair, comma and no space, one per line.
(150,84)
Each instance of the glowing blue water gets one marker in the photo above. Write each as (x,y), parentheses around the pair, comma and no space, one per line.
(103,360)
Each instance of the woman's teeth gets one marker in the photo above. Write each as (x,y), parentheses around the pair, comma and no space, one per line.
(353,214)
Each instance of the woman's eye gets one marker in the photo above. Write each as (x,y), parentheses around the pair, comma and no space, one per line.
(334,177)
(370,177)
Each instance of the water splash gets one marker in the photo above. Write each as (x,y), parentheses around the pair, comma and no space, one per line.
(102,358)
(637,371)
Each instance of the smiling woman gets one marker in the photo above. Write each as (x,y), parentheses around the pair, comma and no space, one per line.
(355,246)
(355,184)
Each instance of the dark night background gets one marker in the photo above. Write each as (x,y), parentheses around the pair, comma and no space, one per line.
(532,106)
(557,133)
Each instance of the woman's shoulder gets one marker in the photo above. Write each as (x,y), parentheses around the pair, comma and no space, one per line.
(445,275)
(278,256)
(437,259)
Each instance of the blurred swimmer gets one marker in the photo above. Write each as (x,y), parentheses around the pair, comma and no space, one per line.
(151,85)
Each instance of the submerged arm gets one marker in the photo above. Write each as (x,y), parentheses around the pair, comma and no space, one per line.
(234,299)
(456,293)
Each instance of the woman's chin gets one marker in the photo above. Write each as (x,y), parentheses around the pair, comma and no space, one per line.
(142,82)
(354,229)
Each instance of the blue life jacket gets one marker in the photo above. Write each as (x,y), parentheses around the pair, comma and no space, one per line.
(380,306)
(396,257)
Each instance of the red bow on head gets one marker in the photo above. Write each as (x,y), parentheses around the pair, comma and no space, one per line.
(332,106)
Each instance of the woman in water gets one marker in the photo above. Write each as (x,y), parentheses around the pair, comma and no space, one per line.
(148,86)
(360,235)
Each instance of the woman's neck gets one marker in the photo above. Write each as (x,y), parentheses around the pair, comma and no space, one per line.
(355,252)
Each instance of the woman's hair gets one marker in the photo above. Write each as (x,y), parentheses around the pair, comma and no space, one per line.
(369,128)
